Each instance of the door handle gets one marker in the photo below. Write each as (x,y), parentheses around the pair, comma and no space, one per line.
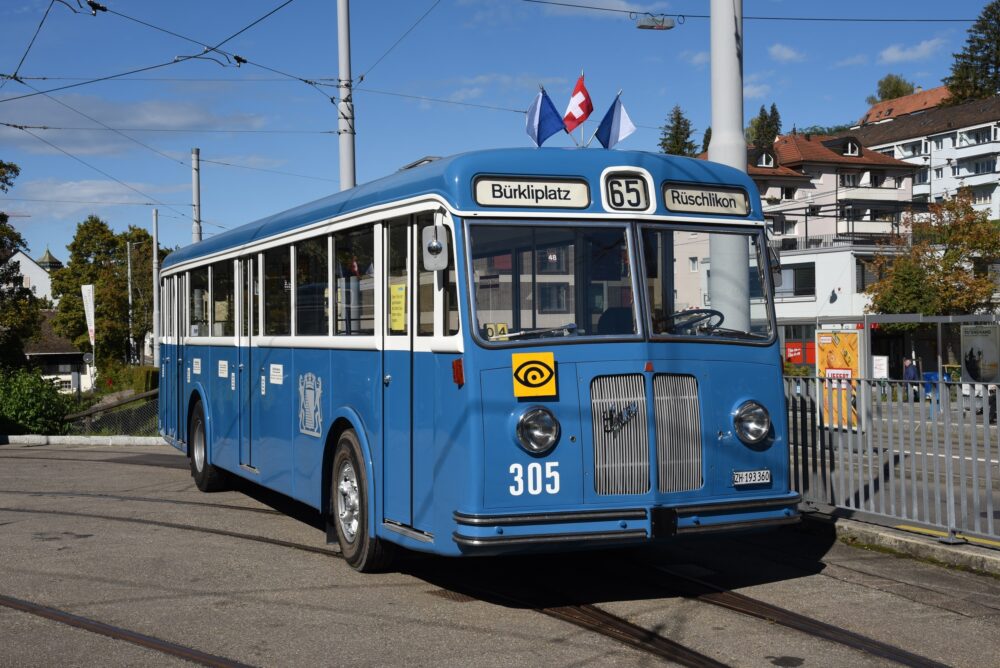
(386,379)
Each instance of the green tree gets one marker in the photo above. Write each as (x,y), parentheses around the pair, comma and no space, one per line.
(975,71)
(706,139)
(20,315)
(943,268)
(97,257)
(890,87)
(824,129)
(675,136)
(764,128)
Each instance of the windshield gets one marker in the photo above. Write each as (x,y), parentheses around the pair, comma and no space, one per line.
(686,299)
(543,281)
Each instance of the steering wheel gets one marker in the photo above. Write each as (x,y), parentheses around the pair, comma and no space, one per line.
(691,317)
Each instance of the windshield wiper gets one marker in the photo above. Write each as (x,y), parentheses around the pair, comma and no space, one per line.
(735,333)
(566,329)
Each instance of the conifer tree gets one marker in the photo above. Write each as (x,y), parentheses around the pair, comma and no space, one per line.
(975,72)
(675,136)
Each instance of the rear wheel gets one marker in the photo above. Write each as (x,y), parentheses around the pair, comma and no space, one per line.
(349,490)
(206,477)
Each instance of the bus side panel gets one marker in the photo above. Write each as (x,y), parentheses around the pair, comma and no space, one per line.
(219,376)
(272,424)
(348,379)
(310,414)
(168,395)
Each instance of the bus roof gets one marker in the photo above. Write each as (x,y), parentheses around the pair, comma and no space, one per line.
(451,178)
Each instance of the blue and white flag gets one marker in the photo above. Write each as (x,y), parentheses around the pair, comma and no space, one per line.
(615,126)
(543,119)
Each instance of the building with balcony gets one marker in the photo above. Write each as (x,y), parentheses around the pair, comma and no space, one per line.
(951,148)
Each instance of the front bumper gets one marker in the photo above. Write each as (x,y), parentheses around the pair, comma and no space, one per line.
(619,526)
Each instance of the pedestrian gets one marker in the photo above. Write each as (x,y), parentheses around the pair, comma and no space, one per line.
(911,380)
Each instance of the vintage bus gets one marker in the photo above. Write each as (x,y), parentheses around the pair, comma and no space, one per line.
(500,351)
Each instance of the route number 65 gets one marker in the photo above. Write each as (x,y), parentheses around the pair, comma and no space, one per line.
(536,482)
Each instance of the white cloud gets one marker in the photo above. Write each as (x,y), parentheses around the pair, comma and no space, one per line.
(151,114)
(851,61)
(784,54)
(756,86)
(696,58)
(897,53)
(63,200)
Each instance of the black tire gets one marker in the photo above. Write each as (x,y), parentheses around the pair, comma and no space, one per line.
(207,477)
(349,493)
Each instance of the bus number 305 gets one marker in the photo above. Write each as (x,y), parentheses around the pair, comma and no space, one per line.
(535,478)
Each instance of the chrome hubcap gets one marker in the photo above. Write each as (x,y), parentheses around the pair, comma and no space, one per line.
(348,502)
(198,447)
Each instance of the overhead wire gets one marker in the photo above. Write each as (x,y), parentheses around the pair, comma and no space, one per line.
(83,201)
(30,44)
(271,171)
(180,130)
(430,9)
(829,19)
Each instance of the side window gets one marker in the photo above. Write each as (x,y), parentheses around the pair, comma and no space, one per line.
(223,299)
(354,272)
(278,291)
(397,296)
(198,304)
(312,289)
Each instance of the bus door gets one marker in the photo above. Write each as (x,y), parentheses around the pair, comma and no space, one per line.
(180,329)
(397,373)
(245,376)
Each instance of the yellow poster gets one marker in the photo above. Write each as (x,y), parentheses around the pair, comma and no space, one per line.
(837,354)
(534,374)
(397,308)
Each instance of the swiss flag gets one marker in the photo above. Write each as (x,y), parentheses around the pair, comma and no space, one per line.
(579,108)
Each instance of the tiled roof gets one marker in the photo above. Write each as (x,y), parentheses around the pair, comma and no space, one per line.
(48,342)
(935,121)
(764,172)
(908,104)
(796,149)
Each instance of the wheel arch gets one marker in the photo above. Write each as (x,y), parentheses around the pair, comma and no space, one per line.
(345,419)
(197,396)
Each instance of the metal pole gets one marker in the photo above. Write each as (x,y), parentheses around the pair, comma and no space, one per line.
(196,195)
(131,341)
(345,106)
(729,282)
(156,289)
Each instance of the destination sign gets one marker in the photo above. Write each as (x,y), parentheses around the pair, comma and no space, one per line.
(695,199)
(522,193)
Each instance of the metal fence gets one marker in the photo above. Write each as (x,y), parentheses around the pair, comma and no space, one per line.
(921,453)
(135,416)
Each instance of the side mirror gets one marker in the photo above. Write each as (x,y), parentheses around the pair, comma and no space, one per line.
(775,262)
(434,244)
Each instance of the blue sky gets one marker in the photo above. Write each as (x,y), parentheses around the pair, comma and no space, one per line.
(492,53)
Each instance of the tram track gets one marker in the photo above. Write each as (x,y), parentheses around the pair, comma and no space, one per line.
(118,633)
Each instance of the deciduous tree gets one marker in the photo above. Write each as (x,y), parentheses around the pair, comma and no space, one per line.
(944,269)
(890,87)
(19,309)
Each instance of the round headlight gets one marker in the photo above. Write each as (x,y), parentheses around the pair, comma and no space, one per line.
(538,430)
(752,422)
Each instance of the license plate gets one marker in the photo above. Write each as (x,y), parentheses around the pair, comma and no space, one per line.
(761,477)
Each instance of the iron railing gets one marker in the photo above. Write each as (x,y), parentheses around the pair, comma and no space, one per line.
(920,453)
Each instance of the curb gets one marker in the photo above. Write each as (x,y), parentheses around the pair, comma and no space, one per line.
(34,440)
(925,548)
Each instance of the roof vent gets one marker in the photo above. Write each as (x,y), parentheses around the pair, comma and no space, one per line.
(427,159)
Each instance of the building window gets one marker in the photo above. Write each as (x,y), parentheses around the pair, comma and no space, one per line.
(954,169)
(921,177)
(798,280)
(849,180)
(925,147)
(765,160)
(878,180)
(788,193)
(979,136)
(984,166)
(939,172)
(553,298)
(982,196)
(938,143)
(851,149)
(693,265)
(864,276)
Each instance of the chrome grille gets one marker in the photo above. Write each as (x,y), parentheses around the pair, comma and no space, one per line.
(678,432)
(621,434)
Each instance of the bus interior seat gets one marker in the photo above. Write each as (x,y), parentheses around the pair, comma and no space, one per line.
(616,320)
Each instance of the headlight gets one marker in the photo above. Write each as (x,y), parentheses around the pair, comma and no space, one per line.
(538,430)
(752,422)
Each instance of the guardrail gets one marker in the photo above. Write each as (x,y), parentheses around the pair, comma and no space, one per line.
(913,452)
(133,416)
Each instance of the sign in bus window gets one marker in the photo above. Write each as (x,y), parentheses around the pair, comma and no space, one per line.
(397,279)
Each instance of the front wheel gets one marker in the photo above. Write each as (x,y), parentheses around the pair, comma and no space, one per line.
(207,477)
(349,491)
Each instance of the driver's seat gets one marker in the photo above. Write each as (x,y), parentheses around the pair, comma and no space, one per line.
(616,320)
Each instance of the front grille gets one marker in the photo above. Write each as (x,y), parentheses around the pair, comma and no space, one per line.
(678,432)
(621,434)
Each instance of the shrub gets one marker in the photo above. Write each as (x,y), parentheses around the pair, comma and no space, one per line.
(30,404)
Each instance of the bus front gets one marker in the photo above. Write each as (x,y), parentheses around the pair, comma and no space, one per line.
(629,381)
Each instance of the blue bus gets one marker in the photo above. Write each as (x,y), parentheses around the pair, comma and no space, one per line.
(500,351)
